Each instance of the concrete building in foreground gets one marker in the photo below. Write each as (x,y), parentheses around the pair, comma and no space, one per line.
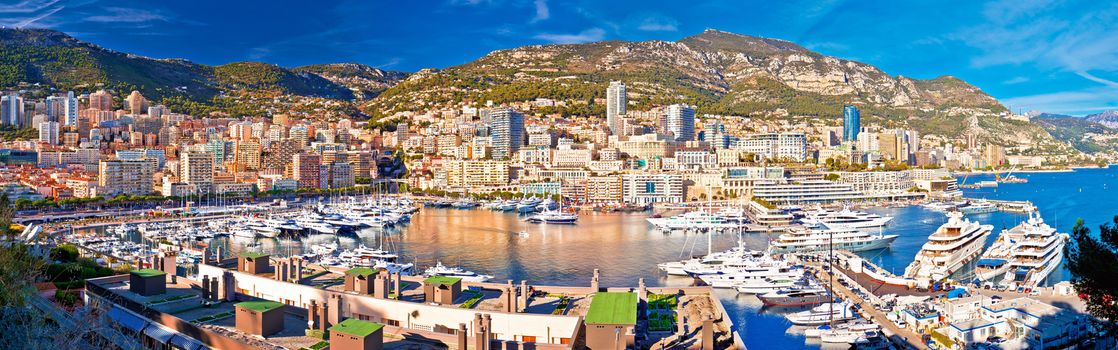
(258,301)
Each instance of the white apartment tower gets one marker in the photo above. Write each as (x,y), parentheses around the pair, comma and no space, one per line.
(679,121)
(48,132)
(197,168)
(616,101)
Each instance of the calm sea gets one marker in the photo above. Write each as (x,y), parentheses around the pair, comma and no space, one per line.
(623,248)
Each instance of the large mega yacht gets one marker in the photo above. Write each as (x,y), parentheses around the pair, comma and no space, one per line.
(702,220)
(1024,255)
(818,238)
(847,219)
(949,248)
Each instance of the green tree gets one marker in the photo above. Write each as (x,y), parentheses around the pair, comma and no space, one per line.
(1091,261)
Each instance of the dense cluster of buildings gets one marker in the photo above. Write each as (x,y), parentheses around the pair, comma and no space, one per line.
(666,154)
(97,149)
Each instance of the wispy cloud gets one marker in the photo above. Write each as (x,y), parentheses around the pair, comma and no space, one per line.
(592,34)
(1037,32)
(659,24)
(391,62)
(1015,81)
(27,6)
(126,15)
(28,13)
(542,11)
(1079,102)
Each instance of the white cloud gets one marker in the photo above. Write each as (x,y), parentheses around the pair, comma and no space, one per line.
(1080,102)
(659,24)
(27,6)
(126,15)
(29,13)
(1016,80)
(542,12)
(592,34)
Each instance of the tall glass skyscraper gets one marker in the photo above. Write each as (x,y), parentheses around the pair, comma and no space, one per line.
(507,130)
(616,100)
(851,123)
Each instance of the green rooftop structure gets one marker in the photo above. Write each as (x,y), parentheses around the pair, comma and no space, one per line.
(361,271)
(253,263)
(612,308)
(252,255)
(357,334)
(259,317)
(355,327)
(611,320)
(148,273)
(260,305)
(442,280)
(441,289)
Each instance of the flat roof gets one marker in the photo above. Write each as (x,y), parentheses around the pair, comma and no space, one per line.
(260,305)
(355,327)
(148,273)
(442,280)
(612,308)
(252,255)
(363,271)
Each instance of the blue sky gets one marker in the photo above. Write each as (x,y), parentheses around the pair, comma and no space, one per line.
(1055,56)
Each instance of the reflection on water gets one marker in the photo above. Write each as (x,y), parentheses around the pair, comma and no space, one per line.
(620,245)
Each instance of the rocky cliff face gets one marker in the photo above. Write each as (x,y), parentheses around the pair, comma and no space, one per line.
(719,72)
(365,81)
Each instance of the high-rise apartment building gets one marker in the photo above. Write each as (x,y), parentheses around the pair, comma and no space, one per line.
(305,170)
(507,128)
(280,153)
(616,100)
(197,169)
(101,100)
(246,154)
(136,103)
(851,123)
(679,121)
(11,109)
(341,175)
(126,177)
(70,107)
(48,132)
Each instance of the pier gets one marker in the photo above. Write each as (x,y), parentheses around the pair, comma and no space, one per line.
(902,337)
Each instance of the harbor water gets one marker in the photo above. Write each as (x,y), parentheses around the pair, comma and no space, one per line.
(624,248)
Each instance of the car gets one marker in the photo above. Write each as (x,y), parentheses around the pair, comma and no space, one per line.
(995,339)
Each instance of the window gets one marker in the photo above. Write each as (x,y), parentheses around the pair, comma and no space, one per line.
(528,339)
(564,341)
(393,323)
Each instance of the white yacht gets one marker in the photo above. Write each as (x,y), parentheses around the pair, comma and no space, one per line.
(553,217)
(712,261)
(804,240)
(442,270)
(949,248)
(822,314)
(766,285)
(978,207)
(1025,254)
(847,219)
(796,296)
(317,225)
(731,275)
(699,220)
